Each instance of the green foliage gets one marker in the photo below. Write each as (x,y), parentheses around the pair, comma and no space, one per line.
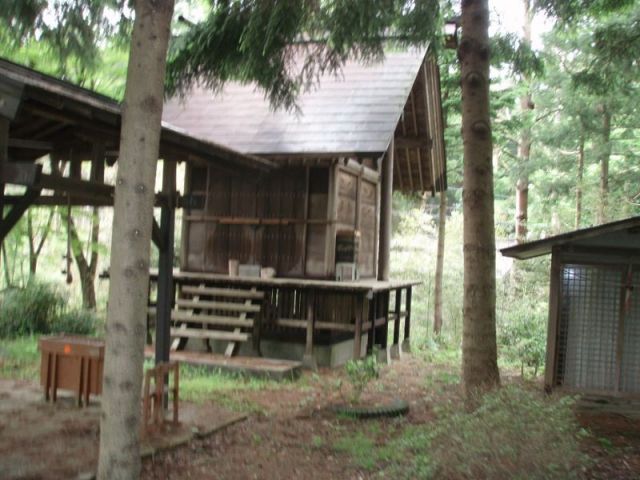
(29,310)
(285,45)
(521,313)
(360,372)
(77,321)
(19,358)
(513,433)
(40,308)
(201,384)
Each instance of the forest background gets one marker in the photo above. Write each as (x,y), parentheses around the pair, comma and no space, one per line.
(565,127)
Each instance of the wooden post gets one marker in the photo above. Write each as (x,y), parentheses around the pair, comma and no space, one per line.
(165,298)
(406,343)
(555,292)
(395,347)
(4,156)
(383,312)
(309,360)
(357,334)
(386,195)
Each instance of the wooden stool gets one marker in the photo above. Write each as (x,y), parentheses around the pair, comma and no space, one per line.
(153,416)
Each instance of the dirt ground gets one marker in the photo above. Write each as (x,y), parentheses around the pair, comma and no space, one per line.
(290,431)
(40,440)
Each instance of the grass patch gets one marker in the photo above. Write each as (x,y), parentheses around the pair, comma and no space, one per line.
(19,358)
(201,384)
(512,433)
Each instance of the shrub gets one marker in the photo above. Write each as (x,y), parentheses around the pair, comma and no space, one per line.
(522,325)
(514,433)
(360,373)
(76,321)
(29,310)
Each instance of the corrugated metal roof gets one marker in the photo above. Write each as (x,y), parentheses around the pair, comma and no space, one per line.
(355,111)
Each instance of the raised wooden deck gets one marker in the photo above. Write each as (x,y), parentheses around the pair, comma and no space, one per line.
(308,311)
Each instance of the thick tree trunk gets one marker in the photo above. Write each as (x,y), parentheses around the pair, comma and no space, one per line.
(119,456)
(479,349)
(442,220)
(604,154)
(579,181)
(524,147)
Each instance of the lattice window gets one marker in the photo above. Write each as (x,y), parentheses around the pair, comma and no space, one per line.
(590,324)
(630,378)
(589,313)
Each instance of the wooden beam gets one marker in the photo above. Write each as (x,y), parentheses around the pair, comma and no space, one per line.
(408,141)
(386,193)
(417,130)
(555,293)
(156,235)
(62,201)
(4,153)
(16,212)
(166,293)
(30,144)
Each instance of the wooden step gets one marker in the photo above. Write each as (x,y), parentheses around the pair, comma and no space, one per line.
(211,319)
(207,305)
(209,334)
(222,292)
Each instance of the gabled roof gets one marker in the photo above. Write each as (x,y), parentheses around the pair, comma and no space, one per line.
(355,111)
(620,234)
(49,112)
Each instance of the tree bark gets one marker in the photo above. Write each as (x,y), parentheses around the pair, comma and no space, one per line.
(524,147)
(604,155)
(579,181)
(86,269)
(119,456)
(35,247)
(442,220)
(479,349)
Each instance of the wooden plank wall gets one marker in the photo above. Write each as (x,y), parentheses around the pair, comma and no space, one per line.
(286,220)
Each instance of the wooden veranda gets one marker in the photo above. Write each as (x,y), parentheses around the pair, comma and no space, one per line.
(311,311)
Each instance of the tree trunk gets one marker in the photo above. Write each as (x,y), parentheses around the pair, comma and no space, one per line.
(86,270)
(479,349)
(36,249)
(119,456)
(579,181)
(604,154)
(442,219)
(524,147)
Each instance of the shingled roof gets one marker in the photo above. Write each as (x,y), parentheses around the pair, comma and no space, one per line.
(355,112)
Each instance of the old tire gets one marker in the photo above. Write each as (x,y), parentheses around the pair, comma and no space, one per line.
(393,409)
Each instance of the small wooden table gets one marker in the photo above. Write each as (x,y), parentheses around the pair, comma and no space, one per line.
(72,363)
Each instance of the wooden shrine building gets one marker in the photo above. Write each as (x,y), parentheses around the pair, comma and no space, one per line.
(354,138)
(275,205)
(593,338)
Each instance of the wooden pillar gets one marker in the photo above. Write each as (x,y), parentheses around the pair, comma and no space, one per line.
(383,332)
(4,157)
(406,342)
(358,309)
(386,195)
(555,293)
(395,346)
(165,263)
(309,360)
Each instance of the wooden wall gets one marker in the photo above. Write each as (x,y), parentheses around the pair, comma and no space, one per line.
(286,220)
